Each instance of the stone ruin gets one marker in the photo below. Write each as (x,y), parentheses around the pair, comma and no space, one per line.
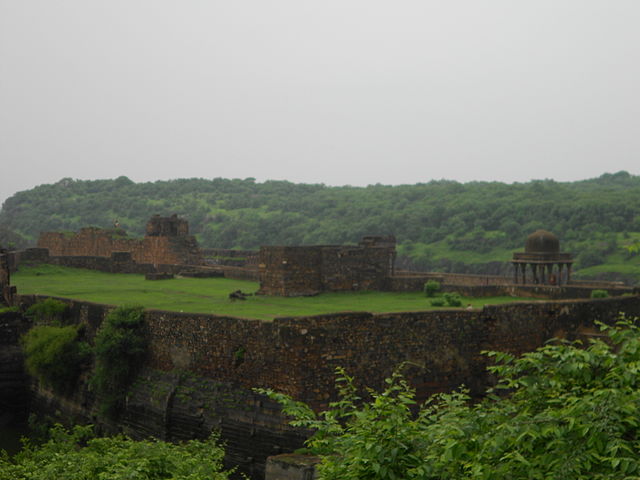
(309,270)
(172,226)
(7,292)
(167,242)
(542,256)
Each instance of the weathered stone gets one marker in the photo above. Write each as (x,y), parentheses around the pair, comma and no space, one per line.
(297,271)
(167,242)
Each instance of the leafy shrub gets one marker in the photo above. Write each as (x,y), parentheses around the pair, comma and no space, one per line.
(49,311)
(437,302)
(55,355)
(431,288)
(78,455)
(120,345)
(599,294)
(452,299)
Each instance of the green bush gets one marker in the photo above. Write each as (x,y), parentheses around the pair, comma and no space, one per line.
(599,294)
(437,302)
(120,346)
(49,311)
(453,299)
(431,288)
(55,355)
(78,455)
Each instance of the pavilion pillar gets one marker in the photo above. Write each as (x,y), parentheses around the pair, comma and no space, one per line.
(534,271)
(560,265)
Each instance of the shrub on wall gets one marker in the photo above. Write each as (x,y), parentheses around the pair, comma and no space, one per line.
(599,294)
(120,347)
(49,311)
(55,355)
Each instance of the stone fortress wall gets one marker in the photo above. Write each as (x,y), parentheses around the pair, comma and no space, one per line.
(194,378)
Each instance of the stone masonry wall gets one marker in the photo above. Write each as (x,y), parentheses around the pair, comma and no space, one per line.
(102,243)
(354,268)
(298,356)
(288,271)
(295,271)
(227,357)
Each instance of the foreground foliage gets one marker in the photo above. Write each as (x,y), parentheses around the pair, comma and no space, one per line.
(562,412)
(48,311)
(55,355)
(78,455)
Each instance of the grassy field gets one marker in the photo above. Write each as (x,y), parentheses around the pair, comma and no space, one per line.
(210,295)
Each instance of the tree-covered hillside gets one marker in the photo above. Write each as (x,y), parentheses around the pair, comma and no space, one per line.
(442,225)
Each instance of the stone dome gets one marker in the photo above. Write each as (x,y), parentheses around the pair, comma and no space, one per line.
(542,241)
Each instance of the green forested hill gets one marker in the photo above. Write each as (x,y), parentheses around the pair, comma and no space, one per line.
(442,225)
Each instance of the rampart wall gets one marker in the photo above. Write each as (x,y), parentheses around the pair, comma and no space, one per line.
(298,355)
(200,369)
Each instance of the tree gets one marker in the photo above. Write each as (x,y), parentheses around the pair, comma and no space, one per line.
(563,411)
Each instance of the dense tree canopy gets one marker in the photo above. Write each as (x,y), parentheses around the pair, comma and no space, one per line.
(441,224)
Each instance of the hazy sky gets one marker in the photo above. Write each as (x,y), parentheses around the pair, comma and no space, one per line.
(331,91)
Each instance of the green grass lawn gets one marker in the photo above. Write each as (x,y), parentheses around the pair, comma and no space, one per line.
(210,295)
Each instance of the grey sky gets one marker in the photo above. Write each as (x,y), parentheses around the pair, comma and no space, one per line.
(332,91)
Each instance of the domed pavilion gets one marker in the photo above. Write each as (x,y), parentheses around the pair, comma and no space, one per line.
(542,260)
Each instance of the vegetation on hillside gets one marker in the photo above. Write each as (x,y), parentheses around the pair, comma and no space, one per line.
(563,411)
(442,225)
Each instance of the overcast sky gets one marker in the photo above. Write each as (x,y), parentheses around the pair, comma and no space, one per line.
(328,91)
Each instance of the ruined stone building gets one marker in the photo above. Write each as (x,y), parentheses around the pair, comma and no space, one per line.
(167,241)
(6,290)
(308,270)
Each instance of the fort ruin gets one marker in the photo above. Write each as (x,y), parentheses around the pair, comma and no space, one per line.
(540,271)
(299,355)
(167,241)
